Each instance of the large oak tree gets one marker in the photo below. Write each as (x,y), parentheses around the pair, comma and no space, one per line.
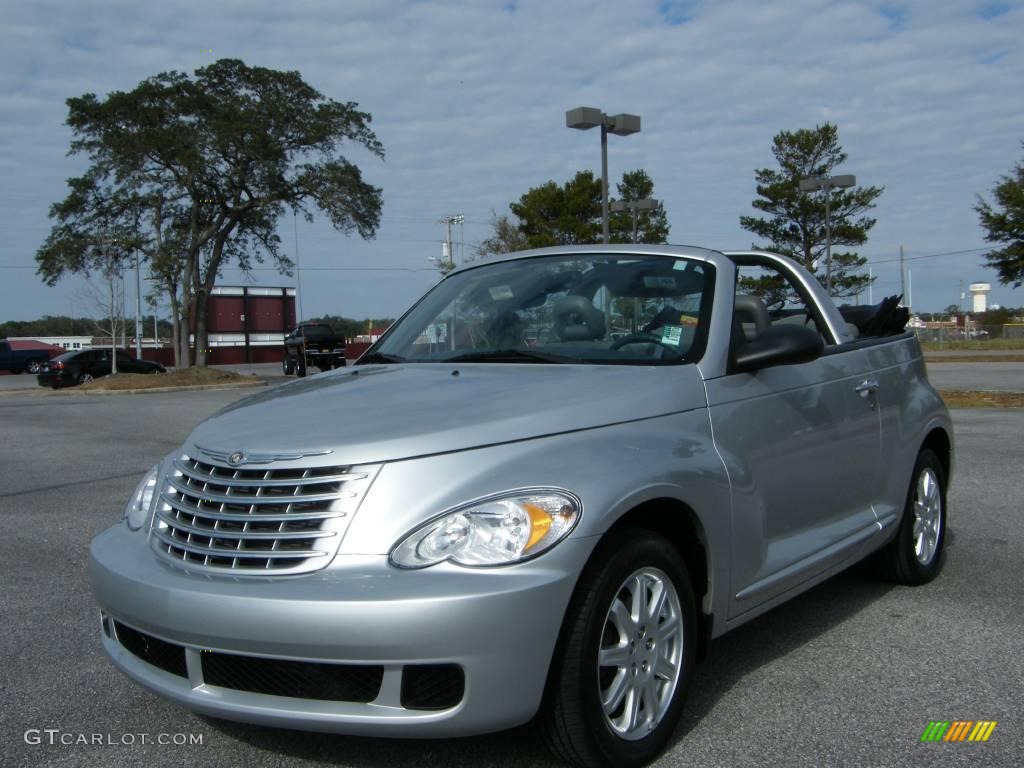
(195,173)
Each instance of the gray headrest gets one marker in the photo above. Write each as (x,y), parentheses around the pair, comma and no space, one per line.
(577,319)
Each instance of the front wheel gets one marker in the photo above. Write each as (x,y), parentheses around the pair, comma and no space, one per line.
(915,555)
(288,366)
(300,366)
(84,378)
(625,656)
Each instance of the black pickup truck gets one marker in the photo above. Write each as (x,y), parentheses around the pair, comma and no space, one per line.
(312,344)
(21,360)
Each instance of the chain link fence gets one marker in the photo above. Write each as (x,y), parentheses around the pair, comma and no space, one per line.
(949,334)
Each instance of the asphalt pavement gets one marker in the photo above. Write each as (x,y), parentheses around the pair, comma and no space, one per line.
(849,673)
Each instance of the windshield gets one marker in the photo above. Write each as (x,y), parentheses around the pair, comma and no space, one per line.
(592,308)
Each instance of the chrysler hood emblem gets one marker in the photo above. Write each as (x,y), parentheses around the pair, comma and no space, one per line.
(238,458)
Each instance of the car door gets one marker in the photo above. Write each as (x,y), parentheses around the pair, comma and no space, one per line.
(100,364)
(802,448)
(127,364)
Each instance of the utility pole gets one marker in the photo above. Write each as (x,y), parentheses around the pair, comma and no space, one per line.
(298,271)
(871,287)
(447,251)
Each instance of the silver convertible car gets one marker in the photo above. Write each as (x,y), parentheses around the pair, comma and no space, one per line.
(539,496)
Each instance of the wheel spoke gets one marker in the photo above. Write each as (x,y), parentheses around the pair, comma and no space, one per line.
(668,631)
(639,591)
(657,605)
(611,698)
(621,619)
(664,669)
(650,699)
(615,656)
(632,713)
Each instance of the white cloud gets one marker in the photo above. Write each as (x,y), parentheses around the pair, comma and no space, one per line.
(469,98)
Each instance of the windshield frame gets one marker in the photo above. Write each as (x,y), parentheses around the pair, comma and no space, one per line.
(693,355)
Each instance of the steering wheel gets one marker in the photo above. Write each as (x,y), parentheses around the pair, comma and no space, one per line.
(644,338)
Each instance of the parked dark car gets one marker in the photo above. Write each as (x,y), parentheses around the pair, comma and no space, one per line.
(312,344)
(88,364)
(21,360)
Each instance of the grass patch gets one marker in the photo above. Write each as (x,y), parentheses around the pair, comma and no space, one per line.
(937,358)
(188,377)
(960,398)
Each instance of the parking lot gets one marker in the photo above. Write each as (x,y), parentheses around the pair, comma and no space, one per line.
(850,673)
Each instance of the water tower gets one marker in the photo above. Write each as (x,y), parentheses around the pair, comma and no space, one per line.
(979,297)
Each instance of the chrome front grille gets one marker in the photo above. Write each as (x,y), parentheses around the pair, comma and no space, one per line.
(255,521)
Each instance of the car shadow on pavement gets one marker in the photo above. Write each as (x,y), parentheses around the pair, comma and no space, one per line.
(732,658)
(775,634)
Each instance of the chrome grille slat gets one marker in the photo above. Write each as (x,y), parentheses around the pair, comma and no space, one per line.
(266,521)
(244,517)
(257,535)
(254,483)
(258,554)
(257,498)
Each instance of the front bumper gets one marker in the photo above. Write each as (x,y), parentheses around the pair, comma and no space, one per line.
(499,626)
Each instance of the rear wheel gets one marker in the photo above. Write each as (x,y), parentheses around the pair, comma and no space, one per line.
(915,555)
(625,656)
(34,366)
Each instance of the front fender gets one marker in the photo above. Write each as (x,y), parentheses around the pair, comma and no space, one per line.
(611,469)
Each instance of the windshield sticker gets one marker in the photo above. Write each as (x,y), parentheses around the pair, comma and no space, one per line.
(500,292)
(672,335)
(687,320)
(680,264)
(658,281)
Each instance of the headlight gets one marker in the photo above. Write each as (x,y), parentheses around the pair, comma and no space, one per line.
(498,530)
(136,512)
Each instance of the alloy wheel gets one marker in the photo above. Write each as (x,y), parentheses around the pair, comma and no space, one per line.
(927,516)
(641,652)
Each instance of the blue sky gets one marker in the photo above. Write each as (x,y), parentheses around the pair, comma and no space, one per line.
(469,100)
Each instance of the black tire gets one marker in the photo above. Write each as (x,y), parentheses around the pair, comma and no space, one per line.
(572,721)
(300,366)
(84,378)
(903,560)
(288,365)
(34,366)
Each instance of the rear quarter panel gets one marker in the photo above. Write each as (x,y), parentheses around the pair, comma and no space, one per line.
(910,409)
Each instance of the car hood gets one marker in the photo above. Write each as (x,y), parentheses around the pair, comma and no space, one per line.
(373,414)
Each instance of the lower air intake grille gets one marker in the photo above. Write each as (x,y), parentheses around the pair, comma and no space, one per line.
(295,679)
(152,650)
(432,686)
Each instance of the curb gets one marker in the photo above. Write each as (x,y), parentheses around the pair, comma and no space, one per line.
(154,390)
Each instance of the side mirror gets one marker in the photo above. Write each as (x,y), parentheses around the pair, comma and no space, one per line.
(779,345)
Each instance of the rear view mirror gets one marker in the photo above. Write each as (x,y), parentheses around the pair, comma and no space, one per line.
(779,345)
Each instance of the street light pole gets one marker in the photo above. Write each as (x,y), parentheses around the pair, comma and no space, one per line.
(605,237)
(138,308)
(827,184)
(634,206)
(584,118)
